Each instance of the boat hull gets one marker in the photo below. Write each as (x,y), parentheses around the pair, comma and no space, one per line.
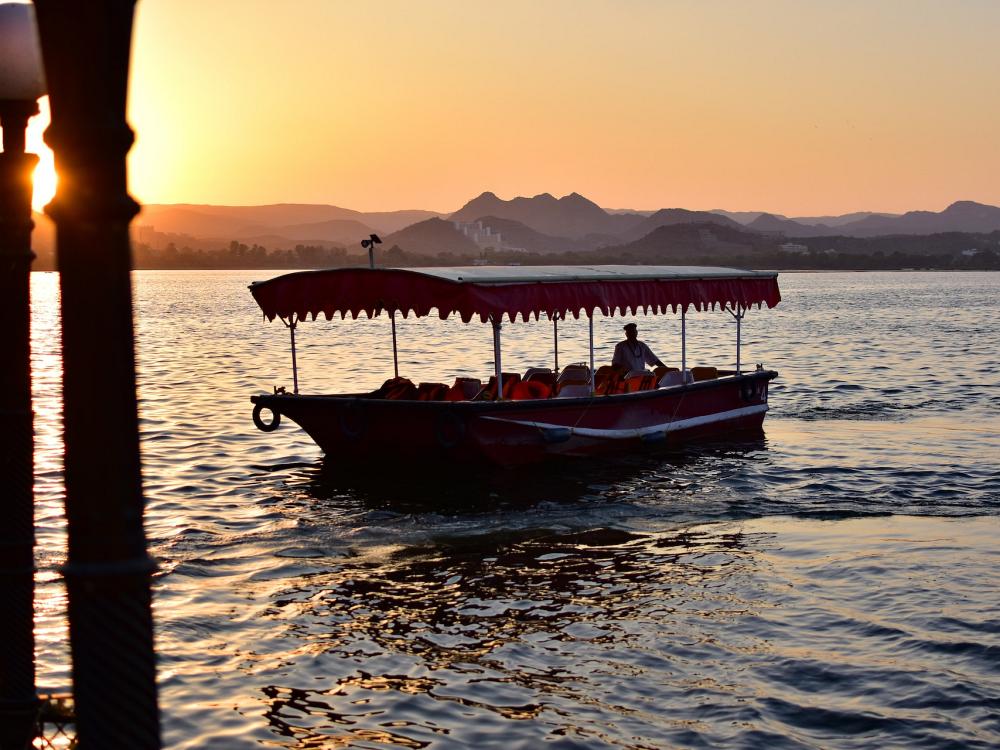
(360,429)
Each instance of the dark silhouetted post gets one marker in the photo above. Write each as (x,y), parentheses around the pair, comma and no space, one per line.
(370,244)
(85,46)
(21,83)
(18,703)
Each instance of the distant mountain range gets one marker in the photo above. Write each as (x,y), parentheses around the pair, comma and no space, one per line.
(836,221)
(430,237)
(293,221)
(962,216)
(788,227)
(570,216)
(666,217)
(747,217)
(671,243)
(516,234)
(542,224)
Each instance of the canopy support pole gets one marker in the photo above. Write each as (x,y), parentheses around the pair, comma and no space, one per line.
(591,319)
(496,357)
(395,352)
(555,340)
(295,368)
(738,315)
(684,344)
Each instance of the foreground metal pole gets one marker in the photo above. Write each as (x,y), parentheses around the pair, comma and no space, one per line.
(591,319)
(684,368)
(555,341)
(295,366)
(86,52)
(496,357)
(395,353)
(18,701)
(739,319)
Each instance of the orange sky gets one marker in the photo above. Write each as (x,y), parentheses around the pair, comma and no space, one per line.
(785,105)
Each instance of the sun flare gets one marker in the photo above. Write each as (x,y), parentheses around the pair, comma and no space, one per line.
(45,178)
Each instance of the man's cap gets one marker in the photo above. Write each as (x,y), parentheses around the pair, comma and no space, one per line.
(629,325)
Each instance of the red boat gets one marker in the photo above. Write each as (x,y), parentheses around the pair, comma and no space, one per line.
(516,418)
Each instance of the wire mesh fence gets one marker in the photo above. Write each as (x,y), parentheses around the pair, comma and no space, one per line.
(56,727)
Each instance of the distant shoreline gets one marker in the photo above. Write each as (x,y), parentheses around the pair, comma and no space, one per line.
(289,269)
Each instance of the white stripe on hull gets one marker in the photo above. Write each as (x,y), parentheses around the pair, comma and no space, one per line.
(640,432)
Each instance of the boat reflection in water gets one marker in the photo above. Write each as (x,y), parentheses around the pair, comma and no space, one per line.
(771,632)
(476,488)
(578,410)
(465,638)
(547,613)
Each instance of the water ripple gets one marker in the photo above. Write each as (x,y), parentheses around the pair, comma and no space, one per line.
(829,583)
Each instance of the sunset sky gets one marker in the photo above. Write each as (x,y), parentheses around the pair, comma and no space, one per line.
(788,106)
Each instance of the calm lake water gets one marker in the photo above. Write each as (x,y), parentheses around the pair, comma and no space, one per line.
(831,585)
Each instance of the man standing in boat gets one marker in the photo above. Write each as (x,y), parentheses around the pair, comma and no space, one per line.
(632,354)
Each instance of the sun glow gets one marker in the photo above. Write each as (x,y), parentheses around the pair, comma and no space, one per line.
(45,178)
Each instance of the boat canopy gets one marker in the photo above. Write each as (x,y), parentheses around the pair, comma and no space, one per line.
(495,291)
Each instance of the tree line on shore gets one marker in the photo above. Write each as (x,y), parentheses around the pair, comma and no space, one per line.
(850,257)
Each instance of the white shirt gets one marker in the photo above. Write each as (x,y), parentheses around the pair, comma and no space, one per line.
(633,356)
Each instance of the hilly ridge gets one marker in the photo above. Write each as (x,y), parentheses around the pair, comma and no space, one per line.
(343,231)
(788,227)
(677,242)
(570,216)
(238,222)
(520,235)
(430,237)
(670,216)
(960,216)
(541,223)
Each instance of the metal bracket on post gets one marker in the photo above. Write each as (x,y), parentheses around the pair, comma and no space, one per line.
(684,344)
(738,316)
(555,340)
(590,317)
(395,352)
(290,325)
(496,356)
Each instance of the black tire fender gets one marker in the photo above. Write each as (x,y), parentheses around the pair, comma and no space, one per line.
(449,429)
(352,420)
(261,424)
